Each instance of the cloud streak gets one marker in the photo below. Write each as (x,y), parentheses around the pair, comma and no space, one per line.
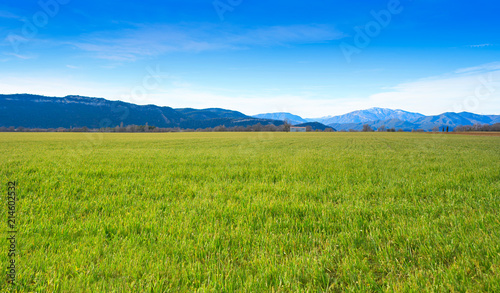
(20,56)
(480,45)
(7,14)
(144,41)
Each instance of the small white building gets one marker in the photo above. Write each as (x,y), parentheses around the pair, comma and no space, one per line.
(297,129)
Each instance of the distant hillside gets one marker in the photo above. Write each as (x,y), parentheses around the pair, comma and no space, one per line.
(494,118)
(387,124)
(446,119)
(33,111)
(292,119)
(479,119)
(427,123)
(210,113)
(315,126)
(393,123)
(373,114)
(347,126)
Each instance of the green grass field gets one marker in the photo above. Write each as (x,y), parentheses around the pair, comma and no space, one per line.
(253,212)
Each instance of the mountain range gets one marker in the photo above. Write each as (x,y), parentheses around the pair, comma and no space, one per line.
(372,114)
(35,111)
(397,119)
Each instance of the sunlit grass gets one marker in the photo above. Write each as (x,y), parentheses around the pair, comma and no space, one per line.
(254,212)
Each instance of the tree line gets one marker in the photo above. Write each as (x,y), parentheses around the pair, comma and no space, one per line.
(478,127)
(253,128)
(285,127)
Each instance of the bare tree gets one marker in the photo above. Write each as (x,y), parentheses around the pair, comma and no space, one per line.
(367,128)
(286,125)
(270,127)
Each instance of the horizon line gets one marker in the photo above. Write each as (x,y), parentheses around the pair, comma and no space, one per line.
(250,115)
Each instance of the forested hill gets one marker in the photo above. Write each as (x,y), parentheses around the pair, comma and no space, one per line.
(35,111)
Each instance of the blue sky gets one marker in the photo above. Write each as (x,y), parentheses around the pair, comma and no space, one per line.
(311,58)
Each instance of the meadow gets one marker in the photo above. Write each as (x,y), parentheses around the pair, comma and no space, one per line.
(253,212)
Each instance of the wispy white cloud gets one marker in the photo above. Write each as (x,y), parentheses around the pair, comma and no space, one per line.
(286,35)
(153,40)
(20,56)
(474,89)
(480,45)
(7,14)
(482,68)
